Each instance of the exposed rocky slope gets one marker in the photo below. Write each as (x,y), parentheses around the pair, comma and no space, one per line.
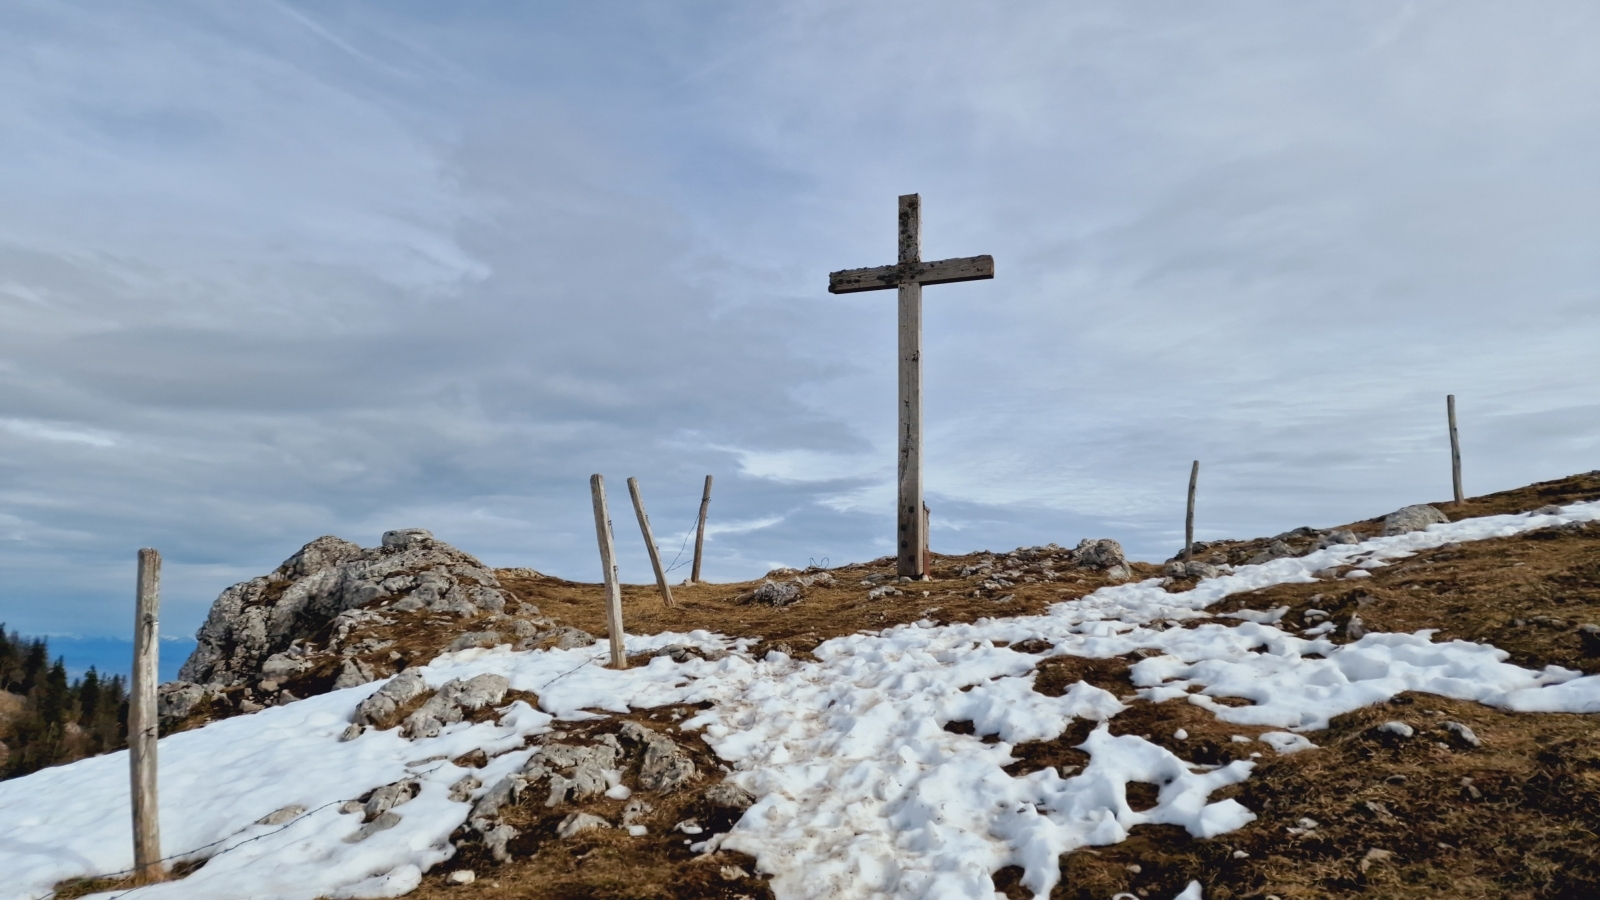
(336,615)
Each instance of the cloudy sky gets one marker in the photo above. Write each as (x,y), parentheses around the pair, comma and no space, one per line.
(277,269)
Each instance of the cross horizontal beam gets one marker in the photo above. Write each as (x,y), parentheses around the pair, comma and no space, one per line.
(883,278)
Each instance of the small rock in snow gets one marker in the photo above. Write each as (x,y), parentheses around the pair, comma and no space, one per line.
(461,791)
(1412,518)
(288,813)
(382,823)
(1336,538)
(379,707)
(1355,629)
(1181,734)
(351,732)
(389,796)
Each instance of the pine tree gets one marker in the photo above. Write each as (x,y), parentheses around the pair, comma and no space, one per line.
(59,720)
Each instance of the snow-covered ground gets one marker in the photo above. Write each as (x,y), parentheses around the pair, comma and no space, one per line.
(862,793)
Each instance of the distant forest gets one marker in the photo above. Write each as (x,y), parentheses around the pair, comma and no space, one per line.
(45,719)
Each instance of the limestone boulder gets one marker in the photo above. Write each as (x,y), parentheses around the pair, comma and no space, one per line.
(250,632)
(1412,518)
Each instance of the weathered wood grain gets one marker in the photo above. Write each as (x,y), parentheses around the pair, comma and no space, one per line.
(1455,448)
(910,470)
(1188,519)
(700,532)
(143,724)
(650,542)
(608,566)
(908,275)
(882,278)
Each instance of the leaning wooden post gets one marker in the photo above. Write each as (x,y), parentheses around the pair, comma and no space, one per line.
(1455,448)
(700,532)
(608,563)
(1188,520)
(143,722)
(650,542)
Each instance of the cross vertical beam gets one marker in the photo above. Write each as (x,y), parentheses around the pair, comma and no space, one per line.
(908,275)
(909,521)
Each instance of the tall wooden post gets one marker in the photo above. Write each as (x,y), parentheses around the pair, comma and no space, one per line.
(1188,520)
(700,532)
(650,542)
(908,275)
(143,726)
(911,562)
(1455,448)
(608,565)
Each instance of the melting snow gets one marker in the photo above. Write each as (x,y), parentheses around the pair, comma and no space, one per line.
(862,793)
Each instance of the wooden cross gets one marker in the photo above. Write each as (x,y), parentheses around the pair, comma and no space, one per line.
(909,275)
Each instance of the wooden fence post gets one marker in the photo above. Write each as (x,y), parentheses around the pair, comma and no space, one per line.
(650,541)
(1455,448)
(927,558)
(143,723)
(608,563)
(700,532)
(1188,520)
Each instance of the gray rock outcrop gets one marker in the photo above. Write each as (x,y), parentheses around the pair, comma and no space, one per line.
(252,626)
(453,701)
(1099,553)
(776,593)
(1412,518)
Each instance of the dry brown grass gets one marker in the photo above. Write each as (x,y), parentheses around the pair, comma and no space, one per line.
(821,614)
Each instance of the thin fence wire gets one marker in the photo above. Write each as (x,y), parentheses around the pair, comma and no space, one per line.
(166,859)
(689,531)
